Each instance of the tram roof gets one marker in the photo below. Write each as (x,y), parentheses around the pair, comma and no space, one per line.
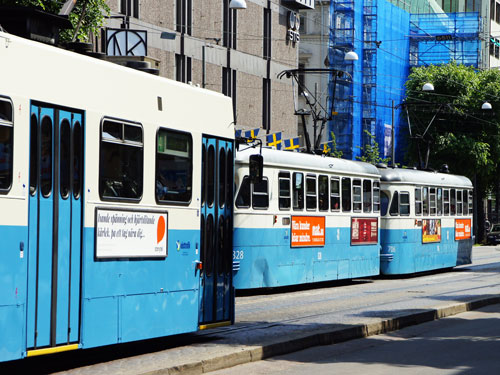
(415,176)
(303,161)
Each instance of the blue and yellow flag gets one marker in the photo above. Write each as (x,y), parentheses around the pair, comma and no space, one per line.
(274,140)
(325,147)
(237,133)
(252,133)
(292,143)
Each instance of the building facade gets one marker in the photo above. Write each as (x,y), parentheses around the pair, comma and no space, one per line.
(236,52)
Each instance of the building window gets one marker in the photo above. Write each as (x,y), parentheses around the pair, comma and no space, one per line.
(184,16)
(266,103)
(229,25)
(130,8)
(267,34)
(120,163)
(183,68)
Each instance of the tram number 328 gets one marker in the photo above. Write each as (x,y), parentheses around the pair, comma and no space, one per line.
(238,254)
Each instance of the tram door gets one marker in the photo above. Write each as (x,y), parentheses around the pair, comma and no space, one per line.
(55,222)
(216,231)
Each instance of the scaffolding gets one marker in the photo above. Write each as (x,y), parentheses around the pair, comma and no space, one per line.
(441,38)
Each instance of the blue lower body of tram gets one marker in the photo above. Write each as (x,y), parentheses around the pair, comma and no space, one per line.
(263,258)
(403,252)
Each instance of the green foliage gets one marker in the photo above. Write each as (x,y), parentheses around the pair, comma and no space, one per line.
(330,148)
(86,17)
(371,152)
(449,122)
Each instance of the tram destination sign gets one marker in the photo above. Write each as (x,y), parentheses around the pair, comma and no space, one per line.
(130,234)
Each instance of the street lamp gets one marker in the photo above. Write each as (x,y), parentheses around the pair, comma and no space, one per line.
(428,87)
(238,4)
(486,106)
(351,56)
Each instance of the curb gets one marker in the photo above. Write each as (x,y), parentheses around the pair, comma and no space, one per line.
(326,337)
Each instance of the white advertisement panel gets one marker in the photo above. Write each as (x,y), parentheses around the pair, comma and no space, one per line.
(130,234)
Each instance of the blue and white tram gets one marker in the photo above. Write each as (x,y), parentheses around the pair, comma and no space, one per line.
(310,219)
(426,220)
(116,203)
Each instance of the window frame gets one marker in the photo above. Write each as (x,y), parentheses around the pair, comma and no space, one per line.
(357,185)
(166,201)
(301,192)
(282,176)
(376,196)
(309,195)
(10,124)
(406,194)
(133,144)
(253,193)
(419,209)
(326,195)
(334,195)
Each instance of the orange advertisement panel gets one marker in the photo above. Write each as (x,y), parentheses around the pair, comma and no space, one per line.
(431,230)
(462,229)
(308,231)
(364,231)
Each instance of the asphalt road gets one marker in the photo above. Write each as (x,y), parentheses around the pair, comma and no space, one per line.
(290,319)
(467,343)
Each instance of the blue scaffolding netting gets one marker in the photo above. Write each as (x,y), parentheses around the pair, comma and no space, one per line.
(388,40)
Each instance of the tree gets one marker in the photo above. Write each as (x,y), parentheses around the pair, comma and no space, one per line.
(448,126)
(87,17)
(371,152)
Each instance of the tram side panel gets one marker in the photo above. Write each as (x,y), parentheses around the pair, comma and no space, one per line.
(13,224)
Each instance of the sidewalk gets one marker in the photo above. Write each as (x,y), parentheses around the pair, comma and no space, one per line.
(238,346)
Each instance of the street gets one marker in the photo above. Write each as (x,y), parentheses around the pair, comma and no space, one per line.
(466,343)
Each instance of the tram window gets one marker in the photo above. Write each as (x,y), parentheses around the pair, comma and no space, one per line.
(298,191)
(418,201)
(367,196)
(425,201)
(77,160)
(323,193)
(229,178)
(356,195)
(459,202)
(222,176)
(376,196)
(446,202)
(33,155)
(65,159)
(243,198)
(121,166)
(439,199)
(471,202)
(260,195)
(453,202)
(465,198)
(209,172)
(6,145)
(404,203)
(46,157)
(346,194)
(335,194)
(394,210)
(432,201)
(384,202)
(311,194)
(284,190)
(174,166)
